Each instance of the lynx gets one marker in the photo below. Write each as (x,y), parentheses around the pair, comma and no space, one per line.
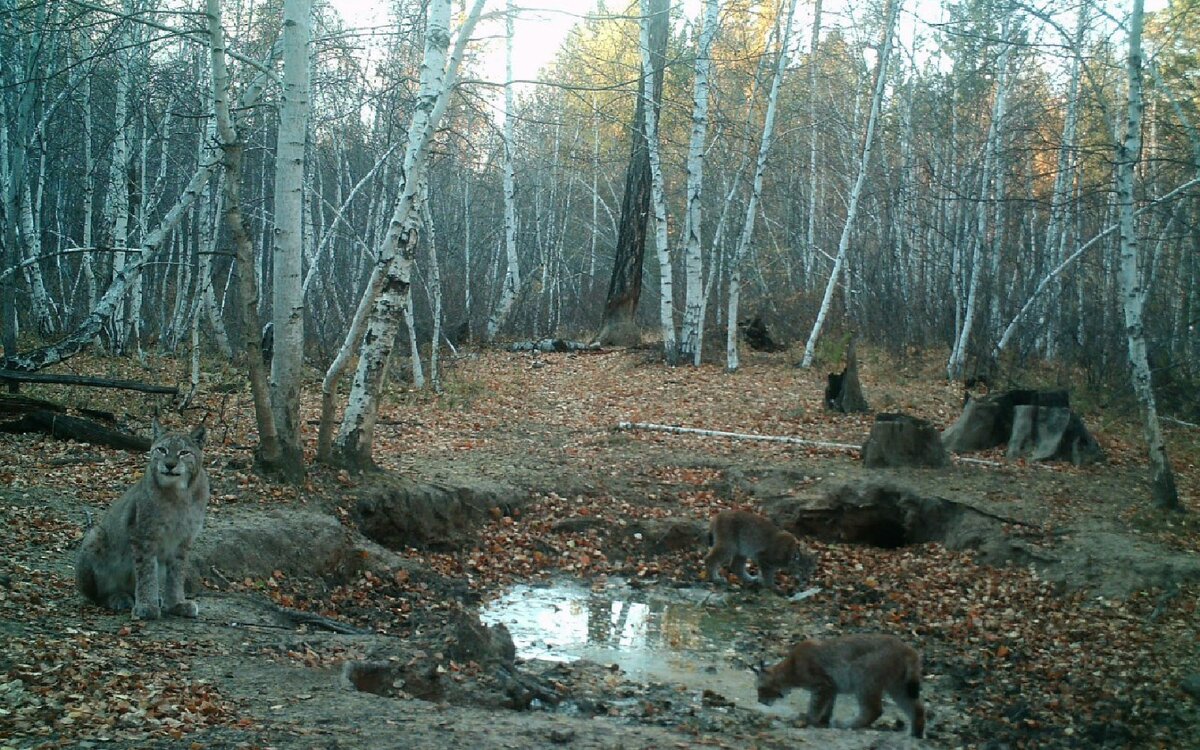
(737,535)
(146,535)
(867,665)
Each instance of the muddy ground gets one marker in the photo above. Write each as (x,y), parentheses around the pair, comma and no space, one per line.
(1053,607)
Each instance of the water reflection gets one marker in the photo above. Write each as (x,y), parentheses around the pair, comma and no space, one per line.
(684,636)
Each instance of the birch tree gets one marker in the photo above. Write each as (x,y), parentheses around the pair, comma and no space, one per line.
(690,338)
(619,325)
(512,273)
(764,148)
(391,278)
(1133,284)
(269,454)
(885,52)
(287,310)
(666,305)
(990,194)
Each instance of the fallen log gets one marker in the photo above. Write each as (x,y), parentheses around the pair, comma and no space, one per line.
(13,376)
(12,404)
(65,427)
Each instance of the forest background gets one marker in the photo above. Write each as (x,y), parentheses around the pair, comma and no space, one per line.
(995,182)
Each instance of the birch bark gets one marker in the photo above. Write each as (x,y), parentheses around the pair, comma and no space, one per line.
(287,299)
(269,452)
(691,329)
(885,51)
(958,355)
(666,288)
(764,148)
(392,269)
(512,274)
(1133,286)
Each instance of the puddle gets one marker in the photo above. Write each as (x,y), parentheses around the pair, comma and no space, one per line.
(683,636)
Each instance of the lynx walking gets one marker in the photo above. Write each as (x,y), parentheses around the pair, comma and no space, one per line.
(738,535)
(866,665)
(147,534)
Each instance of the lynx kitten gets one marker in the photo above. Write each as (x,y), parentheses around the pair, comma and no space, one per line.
(146,535)
(866,665)
(738,535)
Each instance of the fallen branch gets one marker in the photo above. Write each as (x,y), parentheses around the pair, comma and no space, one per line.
(312,619)
(128,385)
(737,435)
(847,447)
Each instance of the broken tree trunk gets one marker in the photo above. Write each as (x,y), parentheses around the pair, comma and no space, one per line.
(1034,424)
(843,392)
(903,440)
(758,337)
(1042,433)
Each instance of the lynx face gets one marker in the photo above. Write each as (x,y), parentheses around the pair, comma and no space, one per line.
(176,458)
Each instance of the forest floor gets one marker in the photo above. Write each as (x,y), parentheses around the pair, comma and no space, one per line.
(1085,636)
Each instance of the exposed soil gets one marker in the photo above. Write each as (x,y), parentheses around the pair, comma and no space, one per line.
(1053,607)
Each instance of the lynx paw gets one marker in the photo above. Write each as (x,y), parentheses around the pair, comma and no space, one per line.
(146,611)
(185,609)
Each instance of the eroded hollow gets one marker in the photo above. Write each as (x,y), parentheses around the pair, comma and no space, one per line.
(881,515)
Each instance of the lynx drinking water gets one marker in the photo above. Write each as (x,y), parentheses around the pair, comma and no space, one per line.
(738,536)
(864,665)
(134,557)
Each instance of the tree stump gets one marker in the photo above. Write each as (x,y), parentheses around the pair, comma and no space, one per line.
(903,440)
(843,392)
(1038,425)
(757,336)
(1042,433)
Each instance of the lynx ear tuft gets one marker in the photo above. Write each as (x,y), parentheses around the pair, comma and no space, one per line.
(197,435)
(156,430)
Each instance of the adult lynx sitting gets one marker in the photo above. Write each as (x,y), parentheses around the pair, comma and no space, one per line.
(738,535)
(146,535)
(865,665)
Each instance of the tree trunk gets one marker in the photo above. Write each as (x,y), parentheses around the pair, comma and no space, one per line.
(269,454)
(512,274)
(764,148)
(851,210)
(650,69)
(619,324)
(287,301)
(690,334)
(1133,287)
(956,364)
(391,275)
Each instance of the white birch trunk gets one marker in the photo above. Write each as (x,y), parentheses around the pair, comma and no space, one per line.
(466,256)
(42,306)
(764,148)
(958,355)
(810,239)
(89,179)
(658,201)
(885,51)
(116,204)
(392,269)
(435,288)
(287,299)
(512,275)
(1133,289)
(692,325)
